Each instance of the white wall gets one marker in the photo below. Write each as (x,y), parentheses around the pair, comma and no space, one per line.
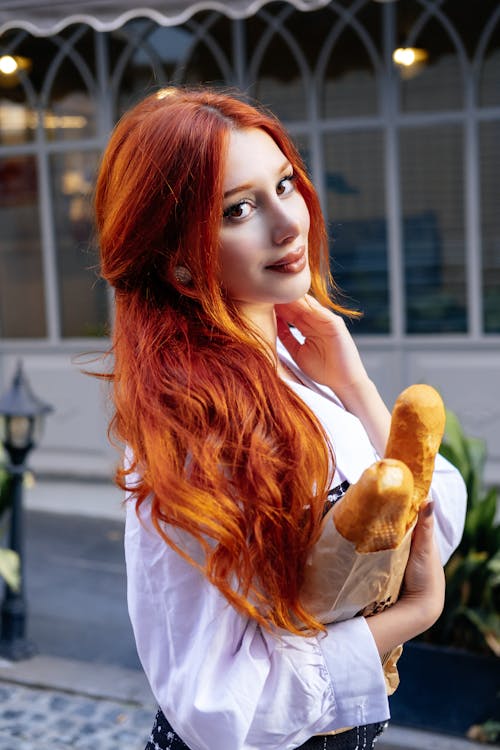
(75,442)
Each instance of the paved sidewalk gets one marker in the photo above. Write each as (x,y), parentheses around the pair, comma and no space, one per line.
(35,719)
(48,703)
(43,718)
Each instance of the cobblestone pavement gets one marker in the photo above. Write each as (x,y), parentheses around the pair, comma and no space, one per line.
(47,719)
(38,719)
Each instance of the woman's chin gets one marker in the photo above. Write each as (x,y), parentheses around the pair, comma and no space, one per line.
(300,287)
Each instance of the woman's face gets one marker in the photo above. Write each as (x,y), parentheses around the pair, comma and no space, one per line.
(265,225)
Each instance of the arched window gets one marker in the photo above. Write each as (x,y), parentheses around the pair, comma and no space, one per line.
(22,291)
(348,74)
(278,71)
(435,82)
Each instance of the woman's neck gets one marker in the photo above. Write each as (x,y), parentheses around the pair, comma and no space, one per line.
(263,319)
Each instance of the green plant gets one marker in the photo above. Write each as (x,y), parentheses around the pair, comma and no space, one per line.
(471,619)
(4,488)
(9,567)
(487,732)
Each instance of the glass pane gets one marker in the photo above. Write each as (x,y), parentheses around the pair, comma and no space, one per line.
(145,56)
(489,82)
(469,22)
(202,66)
(490,223)
(433,228)
(83,297)
(19,71)
(280,85)
(17,122)
(433,82)
(209,61)
(308,29)
(22,309)
(350,87)
(71,113)
(302,142)
(356,212)
(16,118)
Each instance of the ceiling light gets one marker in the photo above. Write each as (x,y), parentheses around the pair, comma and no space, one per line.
(8,65)
(408,56)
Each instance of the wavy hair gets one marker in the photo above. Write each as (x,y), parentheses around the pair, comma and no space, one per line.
(224,448)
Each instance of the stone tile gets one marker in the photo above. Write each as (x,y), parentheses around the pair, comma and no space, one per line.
(32,719)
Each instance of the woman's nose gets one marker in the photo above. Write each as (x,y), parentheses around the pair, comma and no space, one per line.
(285,223)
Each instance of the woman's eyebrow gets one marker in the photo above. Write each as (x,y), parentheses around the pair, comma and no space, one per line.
(248,185)
(238,189)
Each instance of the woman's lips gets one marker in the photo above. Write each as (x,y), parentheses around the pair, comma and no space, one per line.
(293,262)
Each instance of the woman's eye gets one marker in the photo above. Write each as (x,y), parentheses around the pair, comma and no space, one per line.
(237,211)
(286,185)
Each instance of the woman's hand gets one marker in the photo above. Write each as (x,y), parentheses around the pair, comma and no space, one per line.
(424,582)
(329,356)
(422,596)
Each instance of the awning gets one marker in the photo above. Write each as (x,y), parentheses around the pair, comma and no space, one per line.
(45,19)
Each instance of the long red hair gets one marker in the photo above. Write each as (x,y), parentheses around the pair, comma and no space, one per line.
(223,447)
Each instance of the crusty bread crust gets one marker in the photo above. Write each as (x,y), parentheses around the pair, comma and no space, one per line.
(372,514)
(417,427)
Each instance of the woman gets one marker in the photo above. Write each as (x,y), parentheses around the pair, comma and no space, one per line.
(237,429)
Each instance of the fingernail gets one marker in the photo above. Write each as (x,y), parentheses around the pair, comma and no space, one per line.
(429,508)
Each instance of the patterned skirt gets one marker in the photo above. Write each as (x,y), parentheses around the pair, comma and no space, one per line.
(163,737)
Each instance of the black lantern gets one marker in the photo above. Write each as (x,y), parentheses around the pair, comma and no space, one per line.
(22,415)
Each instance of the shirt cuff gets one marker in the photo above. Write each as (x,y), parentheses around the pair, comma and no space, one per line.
(356,673)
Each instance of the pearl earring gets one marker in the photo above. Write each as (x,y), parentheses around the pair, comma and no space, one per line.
(182,275)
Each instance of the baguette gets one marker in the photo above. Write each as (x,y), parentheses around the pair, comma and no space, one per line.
(417,427)
(373,512)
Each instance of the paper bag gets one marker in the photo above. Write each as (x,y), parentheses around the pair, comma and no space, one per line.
(340,583)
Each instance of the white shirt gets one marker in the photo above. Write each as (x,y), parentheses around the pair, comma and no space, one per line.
(223,682)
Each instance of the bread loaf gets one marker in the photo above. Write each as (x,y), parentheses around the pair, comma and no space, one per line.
(378,510)
(373,512)
(417,427)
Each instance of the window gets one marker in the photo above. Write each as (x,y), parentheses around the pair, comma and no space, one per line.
(355,178)
(82,294)
(432,196)
(22,313)
(405,158)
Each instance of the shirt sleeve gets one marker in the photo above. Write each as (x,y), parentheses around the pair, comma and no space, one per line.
(449,494)
(219,678)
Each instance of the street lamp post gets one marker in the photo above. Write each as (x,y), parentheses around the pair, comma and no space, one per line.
(22,415)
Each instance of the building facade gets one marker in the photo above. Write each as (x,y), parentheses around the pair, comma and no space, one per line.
(404,150)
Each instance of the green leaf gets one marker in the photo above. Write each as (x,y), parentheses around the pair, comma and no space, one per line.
(492,730)
(493,567)
(494,563)
(454,446)
(10,568)
(480,519)
(476,451)
(4,491)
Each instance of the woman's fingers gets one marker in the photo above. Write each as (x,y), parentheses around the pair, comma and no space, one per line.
(423,537)
(287,338)
(305,314)
(424,577)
